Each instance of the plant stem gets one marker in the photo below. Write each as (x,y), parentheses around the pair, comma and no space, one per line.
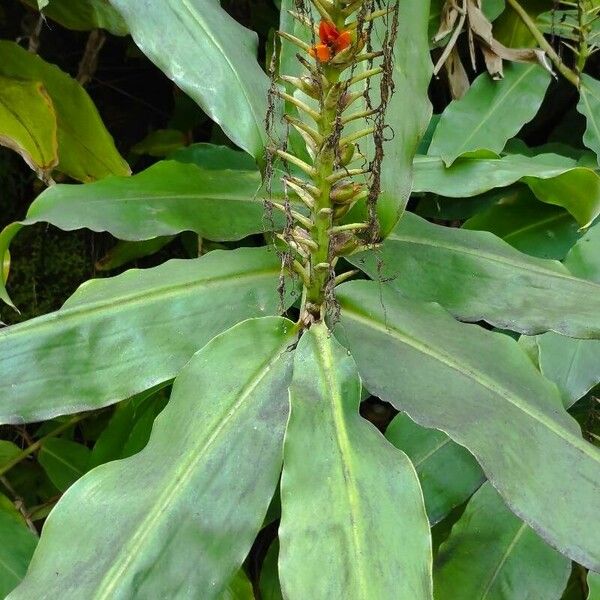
(37,445)
(567,73)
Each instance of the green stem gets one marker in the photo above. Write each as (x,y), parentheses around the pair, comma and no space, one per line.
(567,73)
(37,445)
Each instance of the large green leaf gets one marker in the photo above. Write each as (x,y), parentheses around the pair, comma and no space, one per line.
(64,461)
(481,389)
(490,113)
(18,544)
(165,199)
(209,56)
(184,512)
(552,178)
(28,123)
(86,151)
(478,276)
(574,365)
(532,227)
(82,15)
(593,581)
(492,555)
(353,524)
(589,107)
(117,337)
(448,473)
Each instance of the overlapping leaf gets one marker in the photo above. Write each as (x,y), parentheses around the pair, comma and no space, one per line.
(209,56)
(477,276)
(589,107)
(353,523)
(130,332)
(490,113)
(483,391)
(552,178)
(448,473)
(492,555)
(184,512)
(28,123)
(86,151)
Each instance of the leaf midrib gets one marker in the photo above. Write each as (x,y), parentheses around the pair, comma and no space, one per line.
(492,258)
(131,550)
(477,377)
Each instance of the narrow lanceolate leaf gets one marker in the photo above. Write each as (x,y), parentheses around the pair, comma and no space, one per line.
(28,123)
(552,178)
(209,56)
(353,524)
(448,472)
(492,555)
(168,198)
(532,227)
(182,514)
(574,365)
(481,389)
(86,151)
(490,113)
(82,15)
(477,276)
(589,107)
(117,337)
(18,544)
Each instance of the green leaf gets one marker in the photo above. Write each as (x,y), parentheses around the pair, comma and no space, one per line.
(117,337)
(18,544)
(213,157)
(124,252)
(447,472)
(540,230)
(510,29)
(86,151)
(8,451)
(63,461)
(184,512)
(589,107)
(477,276)
(352,509)
(492,555)
(482,390)
(553,179)
(82,15)
(574,364)
(28,124)
(211,57)
(270,588)
(160,143)
(168,198)
(239,588)
(408,112)
(593,581)
(490,113)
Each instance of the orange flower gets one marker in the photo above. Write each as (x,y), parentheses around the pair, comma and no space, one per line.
(332,41)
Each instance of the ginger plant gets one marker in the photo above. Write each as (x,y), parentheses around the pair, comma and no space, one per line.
(335,115)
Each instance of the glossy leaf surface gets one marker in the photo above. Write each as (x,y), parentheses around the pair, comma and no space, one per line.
(18,544)
(552,178)
(28,123)
(200,488)
(589,107)
(574,365)
(82,15)
(209,56)
(490,113)
(448,473)
(492,555)
(86,150)
(476,382)
(352,507)
(130,332)
(168,198)
(477,276)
